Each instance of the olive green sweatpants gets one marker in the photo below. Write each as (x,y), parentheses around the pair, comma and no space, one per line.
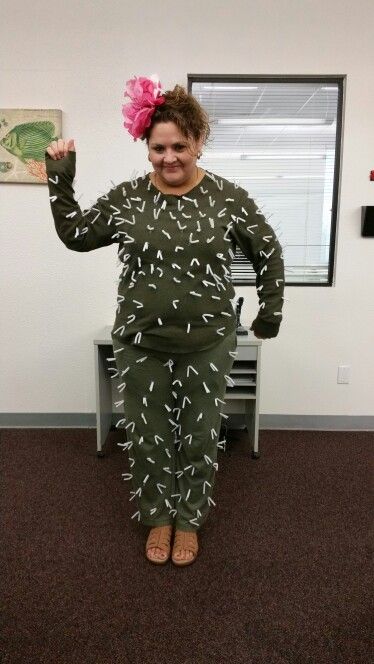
(172,404)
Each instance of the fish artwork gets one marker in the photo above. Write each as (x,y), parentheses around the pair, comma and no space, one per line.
(28,141)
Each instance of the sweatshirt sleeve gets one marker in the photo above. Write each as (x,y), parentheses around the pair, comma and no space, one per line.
(79,230)
(259,244)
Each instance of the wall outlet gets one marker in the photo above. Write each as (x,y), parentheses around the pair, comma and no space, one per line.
(344,373)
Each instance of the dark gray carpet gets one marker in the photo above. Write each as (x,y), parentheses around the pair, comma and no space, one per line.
(284,574)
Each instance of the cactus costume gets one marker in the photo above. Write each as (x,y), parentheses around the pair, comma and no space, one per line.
(174,337)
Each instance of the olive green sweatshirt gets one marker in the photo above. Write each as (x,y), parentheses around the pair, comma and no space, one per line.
(175,290)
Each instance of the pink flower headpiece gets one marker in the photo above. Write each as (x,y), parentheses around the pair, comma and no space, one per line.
(146,94)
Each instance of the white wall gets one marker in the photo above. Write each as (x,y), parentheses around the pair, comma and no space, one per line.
(76,56)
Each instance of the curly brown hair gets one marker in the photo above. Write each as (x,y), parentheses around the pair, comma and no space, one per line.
(184,110)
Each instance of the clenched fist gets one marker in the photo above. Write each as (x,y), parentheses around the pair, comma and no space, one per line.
(256,335)
(59,149)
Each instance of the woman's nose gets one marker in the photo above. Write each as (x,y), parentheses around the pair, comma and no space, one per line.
(169,157)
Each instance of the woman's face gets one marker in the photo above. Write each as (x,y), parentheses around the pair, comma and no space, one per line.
(172,156)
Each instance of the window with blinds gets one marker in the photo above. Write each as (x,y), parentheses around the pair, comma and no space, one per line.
(279,138)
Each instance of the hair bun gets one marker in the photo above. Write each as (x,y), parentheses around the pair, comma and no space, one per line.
(184,110)
(178,94)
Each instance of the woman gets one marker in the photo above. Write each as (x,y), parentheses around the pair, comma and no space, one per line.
(174,336)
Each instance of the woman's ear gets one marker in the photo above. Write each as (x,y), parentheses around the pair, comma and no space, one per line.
(199,145)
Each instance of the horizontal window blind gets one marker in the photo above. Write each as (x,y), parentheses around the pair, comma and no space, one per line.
(278,140)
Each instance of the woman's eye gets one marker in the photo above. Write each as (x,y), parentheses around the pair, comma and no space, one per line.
(177,147)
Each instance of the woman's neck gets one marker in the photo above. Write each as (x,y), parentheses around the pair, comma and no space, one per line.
(178,189)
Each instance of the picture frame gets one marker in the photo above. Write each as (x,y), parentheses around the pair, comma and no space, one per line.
(24,137)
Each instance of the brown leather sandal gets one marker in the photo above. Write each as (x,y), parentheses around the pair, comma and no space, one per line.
(160,537)
(186,540)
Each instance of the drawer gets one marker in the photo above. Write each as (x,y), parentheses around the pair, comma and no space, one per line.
(246,352)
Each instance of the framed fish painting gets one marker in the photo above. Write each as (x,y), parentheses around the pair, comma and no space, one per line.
(24,137)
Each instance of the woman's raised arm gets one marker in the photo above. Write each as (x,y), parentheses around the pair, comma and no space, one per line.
(79,230)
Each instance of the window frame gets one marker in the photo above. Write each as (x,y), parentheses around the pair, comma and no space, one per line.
(340,82)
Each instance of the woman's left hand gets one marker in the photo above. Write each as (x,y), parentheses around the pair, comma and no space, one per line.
(256,335)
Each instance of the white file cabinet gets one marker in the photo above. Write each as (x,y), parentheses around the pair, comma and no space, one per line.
(240,398)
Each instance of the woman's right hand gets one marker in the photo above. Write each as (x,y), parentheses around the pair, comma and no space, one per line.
(59,149)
